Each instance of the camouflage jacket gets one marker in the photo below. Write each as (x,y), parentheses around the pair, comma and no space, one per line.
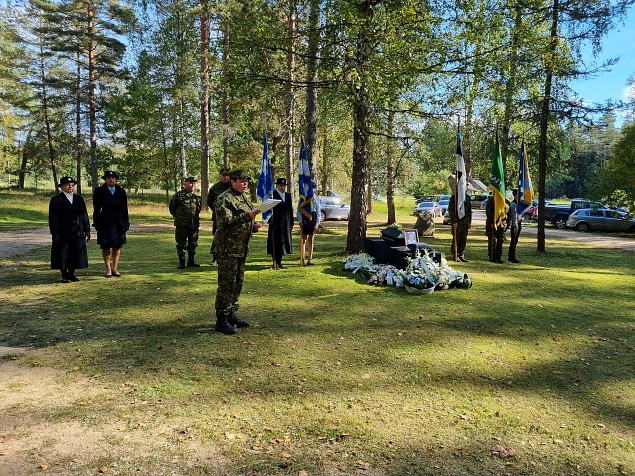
(235,226)
(216,191)
(185,208)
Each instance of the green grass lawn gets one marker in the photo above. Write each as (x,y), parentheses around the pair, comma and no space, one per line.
(336,376)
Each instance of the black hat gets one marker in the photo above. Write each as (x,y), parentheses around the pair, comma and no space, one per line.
(110,173)
(281,181)
(65,180)
(224,171)
(189,179)
(239,174)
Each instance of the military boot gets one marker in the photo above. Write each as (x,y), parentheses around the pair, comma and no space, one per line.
(222,324)
(234,320)
(190,260)
(181,264)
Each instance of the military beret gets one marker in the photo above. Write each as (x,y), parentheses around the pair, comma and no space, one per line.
(190,179)
(65,180)
(110,173)
(224,171)
(281,181)
(239,174)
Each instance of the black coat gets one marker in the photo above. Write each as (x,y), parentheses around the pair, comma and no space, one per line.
(110,216)
(69,227)
(280,227)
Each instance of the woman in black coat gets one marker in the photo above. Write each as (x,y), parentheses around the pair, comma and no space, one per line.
(70,230)
(110,219)
(280,225)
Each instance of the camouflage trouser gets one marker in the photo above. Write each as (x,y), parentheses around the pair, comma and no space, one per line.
(231,272)
(186,239)
(495,240)
(461,239)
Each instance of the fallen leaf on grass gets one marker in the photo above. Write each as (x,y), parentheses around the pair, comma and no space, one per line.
(303,473)
(503,452)
(104,469)
(44,467)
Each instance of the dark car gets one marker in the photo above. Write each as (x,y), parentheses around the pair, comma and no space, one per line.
(333,208)
(600,219)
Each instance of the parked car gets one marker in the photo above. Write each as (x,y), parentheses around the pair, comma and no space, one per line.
(433,198)
(444,205)
(600,219)
(558,214)
(531,213)
(478,198)
(333,208)
(430,207)
(483,204)
(379,198)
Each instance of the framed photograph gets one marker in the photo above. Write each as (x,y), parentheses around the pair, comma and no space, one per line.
(410,236)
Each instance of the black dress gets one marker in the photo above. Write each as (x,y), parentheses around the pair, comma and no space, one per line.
(69,226)
(279,241)
(110,217)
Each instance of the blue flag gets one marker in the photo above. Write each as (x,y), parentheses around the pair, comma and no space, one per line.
(265,178)
(305,185)
(525,189)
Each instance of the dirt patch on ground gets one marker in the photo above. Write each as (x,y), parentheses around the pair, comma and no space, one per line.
(50,424)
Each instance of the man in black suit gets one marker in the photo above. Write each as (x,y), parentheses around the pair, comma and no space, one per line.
(70,230)
(280,225)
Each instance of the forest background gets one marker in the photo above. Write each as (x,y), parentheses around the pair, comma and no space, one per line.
(162,90)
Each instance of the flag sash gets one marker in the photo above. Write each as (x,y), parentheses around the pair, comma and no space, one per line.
(305,185)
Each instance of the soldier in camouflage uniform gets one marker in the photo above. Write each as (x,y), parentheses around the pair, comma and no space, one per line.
(215,191)
(460,227)
(495,236)
(235,220)
(185,207)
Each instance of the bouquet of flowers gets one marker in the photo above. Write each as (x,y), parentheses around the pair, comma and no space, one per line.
(422,273)
(383,274)
(358,262)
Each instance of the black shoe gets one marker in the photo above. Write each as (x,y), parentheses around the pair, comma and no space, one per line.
(192,264)
(66,280)
(515,261)
(73,278)
(464,259)
(498,261)
(222,325)
(234,320)
(181,264)
(280,266)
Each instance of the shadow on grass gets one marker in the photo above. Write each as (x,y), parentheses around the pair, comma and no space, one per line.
(316,331)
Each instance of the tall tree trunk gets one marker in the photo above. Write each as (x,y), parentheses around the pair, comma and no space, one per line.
(311,90)
(390,159)
(78,123)
(544,123)
(362,111)
(45,115)
(290,150)
(182,155)
(91,95)
(510,87)
(226,51)
(204,98)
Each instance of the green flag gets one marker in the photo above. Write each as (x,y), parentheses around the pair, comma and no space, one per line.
(497,184)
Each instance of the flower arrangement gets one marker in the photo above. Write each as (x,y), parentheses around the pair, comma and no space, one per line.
(422,274)
(383,274)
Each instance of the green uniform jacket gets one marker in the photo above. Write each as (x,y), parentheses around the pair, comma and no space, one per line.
(185,208)
(235,225)
(454,216)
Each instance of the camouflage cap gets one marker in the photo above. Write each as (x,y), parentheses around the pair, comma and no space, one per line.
(239,174)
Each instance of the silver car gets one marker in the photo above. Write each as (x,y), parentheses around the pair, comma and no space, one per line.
(600,219)
(432,208)
(333,208)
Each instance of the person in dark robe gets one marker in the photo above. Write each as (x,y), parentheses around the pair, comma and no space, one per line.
(70,230)
(110,219)
(280,225)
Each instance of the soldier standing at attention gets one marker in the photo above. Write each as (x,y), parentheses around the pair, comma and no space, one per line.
(460,227)
(185,207)
(214,192)
(235,219)
(495,236)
